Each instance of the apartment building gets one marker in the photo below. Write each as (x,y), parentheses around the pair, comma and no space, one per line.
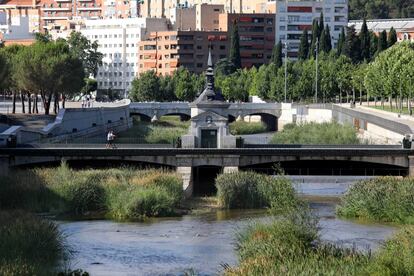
(404,27)
(165,8)
(293,17)
(197,17)
(118,41)
(257,36)
(165,52)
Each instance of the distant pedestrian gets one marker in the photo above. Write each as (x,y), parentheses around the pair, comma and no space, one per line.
(110,140)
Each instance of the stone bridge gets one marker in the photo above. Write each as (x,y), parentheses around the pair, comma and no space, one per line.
(269,112)
(186,160)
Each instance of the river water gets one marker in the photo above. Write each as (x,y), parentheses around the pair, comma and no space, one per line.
(203,243)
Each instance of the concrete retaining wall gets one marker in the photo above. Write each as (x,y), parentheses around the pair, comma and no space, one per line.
(72,123)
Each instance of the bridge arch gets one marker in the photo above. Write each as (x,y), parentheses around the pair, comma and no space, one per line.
(143,116)
(327,166)
(268,119)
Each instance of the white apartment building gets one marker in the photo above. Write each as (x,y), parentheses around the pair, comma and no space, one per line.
(118,41)
(292,19)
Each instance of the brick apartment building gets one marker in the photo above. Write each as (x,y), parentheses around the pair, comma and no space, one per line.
(164,52)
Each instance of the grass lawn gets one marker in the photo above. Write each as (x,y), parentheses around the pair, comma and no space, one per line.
(388,108)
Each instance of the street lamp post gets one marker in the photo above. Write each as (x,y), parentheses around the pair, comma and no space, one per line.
(400,96)
(286,60)
(409,99)
(317,70)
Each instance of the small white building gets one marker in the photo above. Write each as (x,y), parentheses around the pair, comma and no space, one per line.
(118,40)
(292,19)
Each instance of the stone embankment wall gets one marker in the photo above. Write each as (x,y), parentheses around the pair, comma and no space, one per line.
(372,128)
(73,123)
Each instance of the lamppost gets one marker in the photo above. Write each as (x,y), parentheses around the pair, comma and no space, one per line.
(409,99)
(286,61)
(317,70)
(400,95)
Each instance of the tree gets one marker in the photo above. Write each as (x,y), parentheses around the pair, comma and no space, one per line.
(234,56)
(49,68)
(145,88)
(4,69)
(382,42)
(315,38)
(352,46)
(233,87)
(326,42)
(304,46)
(365,39)
(224,67)
(167,86)
(341,43)
(39,37)
(86,51)
(185,85)
(392,37)
(373,47)
(277,55)
(321,24)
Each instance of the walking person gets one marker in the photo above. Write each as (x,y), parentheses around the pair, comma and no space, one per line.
(110,140)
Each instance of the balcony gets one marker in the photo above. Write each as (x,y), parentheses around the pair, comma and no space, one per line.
(85,0)
(64,1)
(89,8)
(55,17)
(57,9)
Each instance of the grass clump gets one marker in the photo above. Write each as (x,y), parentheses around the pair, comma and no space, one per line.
(290,245)
(29,245)
(396,256)
(313,134)
(384,199)
(125,193)
(253,190)
(164,131)
(243,128)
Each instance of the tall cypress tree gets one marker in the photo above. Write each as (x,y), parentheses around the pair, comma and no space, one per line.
(341,43)
(304,46)
(352,45)
(321,25)
(382,42)
(392,37)
(277,55)
(235,46)
(325,40)
(365,39)
(373,44)
(315,37)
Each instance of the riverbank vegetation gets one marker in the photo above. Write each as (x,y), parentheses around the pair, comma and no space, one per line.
(248,190)
(329,133)
(164,131)
(122,194)
(29,245)
(243,128)
(384,199)
(291,245)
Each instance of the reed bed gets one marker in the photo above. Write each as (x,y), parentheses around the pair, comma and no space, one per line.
(383,199)
(331,133)
(125,193)
(29,245)
(252,190)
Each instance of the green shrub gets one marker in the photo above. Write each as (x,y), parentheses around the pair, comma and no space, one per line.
(313,133)
(28,245)
(385,199)
(290,245)
(65,191)
(253,190)
(242,128)
(396,256)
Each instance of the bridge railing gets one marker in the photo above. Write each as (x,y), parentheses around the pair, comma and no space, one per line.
(101,140)
(295,146)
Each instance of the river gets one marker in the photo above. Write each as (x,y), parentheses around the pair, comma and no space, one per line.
(203,243)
